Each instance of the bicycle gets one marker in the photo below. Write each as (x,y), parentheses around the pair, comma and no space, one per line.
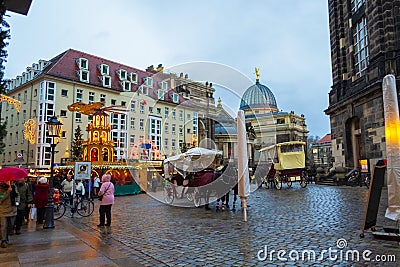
(357,178)
(366,180)
(84,207)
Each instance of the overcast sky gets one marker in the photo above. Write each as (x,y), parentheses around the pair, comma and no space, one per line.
(287,39)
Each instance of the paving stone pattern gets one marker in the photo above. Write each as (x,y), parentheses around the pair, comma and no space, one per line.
(296,219)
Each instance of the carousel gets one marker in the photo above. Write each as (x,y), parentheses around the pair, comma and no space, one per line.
(99,150)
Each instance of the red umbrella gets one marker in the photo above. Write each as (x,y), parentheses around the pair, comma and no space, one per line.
(12,174)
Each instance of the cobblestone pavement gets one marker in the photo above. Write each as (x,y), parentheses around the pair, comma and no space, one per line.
(293,220)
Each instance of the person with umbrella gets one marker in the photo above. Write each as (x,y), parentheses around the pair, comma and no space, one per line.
(8,210)
(9,200)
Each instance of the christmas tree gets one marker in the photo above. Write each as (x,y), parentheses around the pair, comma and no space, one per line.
(77,145)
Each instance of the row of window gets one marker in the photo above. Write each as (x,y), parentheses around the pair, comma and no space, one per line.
(159,110)
(30,74)
(12,158)
(282,121)
(126,79)
(18,138)
(132,141)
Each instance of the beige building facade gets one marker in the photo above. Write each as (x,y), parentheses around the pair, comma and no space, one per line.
(162,113)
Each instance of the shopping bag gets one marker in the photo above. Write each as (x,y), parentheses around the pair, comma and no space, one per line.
(33,213)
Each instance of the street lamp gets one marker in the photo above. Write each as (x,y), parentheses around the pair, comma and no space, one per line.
(54,129)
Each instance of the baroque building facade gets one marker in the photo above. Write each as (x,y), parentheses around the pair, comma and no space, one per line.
(163,112)
(265,125)
(365,41)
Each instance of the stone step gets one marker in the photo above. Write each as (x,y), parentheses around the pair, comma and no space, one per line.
(327,181)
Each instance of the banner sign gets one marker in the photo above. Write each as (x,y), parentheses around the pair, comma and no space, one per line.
(83,170)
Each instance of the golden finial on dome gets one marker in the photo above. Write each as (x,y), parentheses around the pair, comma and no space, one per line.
(257,74)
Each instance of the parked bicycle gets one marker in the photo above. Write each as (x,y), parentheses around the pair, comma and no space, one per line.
(355,178)
(84,207)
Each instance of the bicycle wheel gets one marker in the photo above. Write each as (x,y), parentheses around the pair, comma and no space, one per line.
(59,210)
(85,207)
(278,182)
(367,181)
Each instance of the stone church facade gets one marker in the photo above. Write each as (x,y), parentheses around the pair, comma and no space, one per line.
(365,42)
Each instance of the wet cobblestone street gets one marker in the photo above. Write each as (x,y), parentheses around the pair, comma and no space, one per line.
(313,218)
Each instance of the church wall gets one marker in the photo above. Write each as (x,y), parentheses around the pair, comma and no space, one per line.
(360,94)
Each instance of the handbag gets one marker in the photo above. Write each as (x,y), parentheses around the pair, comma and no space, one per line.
(100,198)
(33,213)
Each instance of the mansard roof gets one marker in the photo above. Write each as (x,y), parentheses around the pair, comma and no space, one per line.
(65,66)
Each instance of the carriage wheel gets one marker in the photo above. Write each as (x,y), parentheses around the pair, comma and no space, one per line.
(289,183)
(278,182)
(196,197)
(266,182)
(169,193)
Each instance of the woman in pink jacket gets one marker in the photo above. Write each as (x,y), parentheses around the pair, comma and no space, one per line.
(107,191)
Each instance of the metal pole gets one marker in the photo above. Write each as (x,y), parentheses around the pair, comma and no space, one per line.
(49,216)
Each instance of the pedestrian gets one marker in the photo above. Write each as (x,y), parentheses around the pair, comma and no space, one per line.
(88,189)
(106,194)
(79,190)
(271,175)
(15,200)
(57,182)
(8,210)
(41,198)
(96,185)
(25,201)
(154,183)
(67,187)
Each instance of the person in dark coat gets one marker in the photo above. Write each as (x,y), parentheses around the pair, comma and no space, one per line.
(8,210)
(41,198)
(25,201)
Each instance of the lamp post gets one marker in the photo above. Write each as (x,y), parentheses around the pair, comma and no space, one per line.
(54,129)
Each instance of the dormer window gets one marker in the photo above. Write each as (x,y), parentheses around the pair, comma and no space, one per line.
(122,74)
(104,69)
(144,90)
(164,85)
(83,63)
(83,75)
(148,81)
(175,98)
(126,86)
(133,77)
(161,94)
(106,80)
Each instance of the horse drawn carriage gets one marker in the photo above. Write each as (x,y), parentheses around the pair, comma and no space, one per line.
(190,175)
(287,164)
